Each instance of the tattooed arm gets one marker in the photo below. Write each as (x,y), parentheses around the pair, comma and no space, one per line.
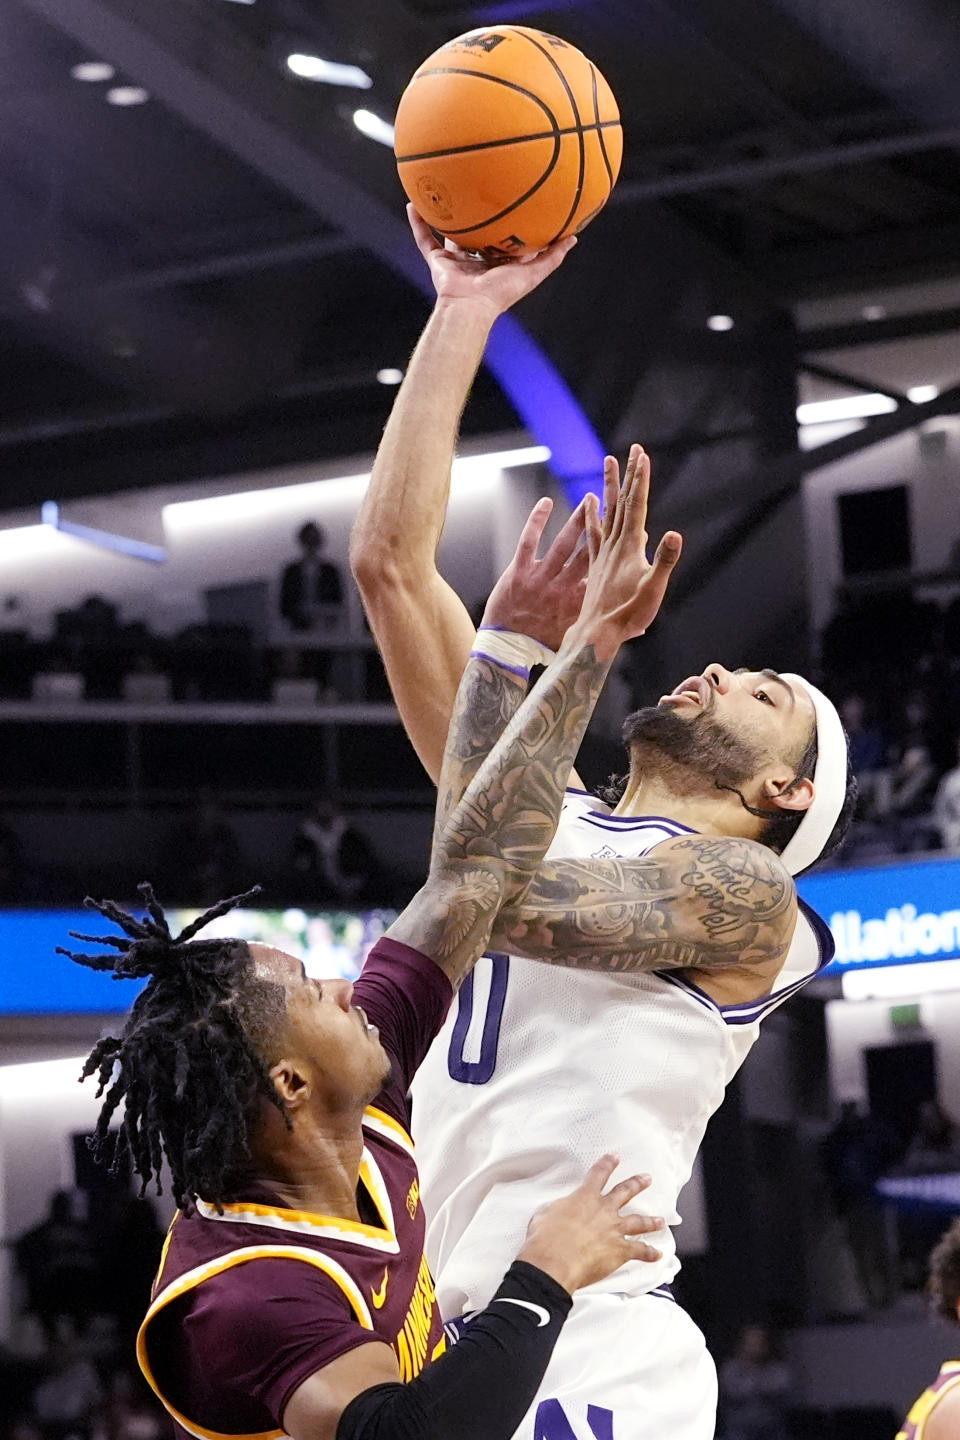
(487,852)
(699,902)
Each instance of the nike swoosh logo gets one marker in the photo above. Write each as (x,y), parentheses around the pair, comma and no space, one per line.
(379,1296)
(538,1310)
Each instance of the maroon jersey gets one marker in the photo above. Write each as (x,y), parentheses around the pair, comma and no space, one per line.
(249,1304)
(915,1424)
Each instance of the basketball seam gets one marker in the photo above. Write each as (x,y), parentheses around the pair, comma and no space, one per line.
(494,80)
(492,219)
(511,140)
(599,127)
(555,133)
(577,119)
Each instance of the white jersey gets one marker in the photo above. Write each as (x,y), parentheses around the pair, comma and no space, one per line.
(539,1070)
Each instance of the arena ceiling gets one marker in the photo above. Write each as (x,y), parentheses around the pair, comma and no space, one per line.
(210,280)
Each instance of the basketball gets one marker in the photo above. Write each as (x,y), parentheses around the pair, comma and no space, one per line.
(508,139)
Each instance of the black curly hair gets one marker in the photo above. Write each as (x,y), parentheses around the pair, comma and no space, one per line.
(944,1282)
(192,1062)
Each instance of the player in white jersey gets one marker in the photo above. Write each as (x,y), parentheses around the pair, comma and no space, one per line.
(679,903)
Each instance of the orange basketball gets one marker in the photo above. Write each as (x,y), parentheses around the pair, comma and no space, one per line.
(508,139)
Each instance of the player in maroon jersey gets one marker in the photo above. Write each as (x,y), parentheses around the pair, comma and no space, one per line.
(293,1295)
(935,1415)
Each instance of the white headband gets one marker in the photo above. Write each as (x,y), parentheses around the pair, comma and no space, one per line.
(829,782)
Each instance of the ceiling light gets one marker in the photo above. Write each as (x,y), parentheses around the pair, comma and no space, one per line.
(848,407)
(389,376)
(328,72)
(720,322)
(373,127)
(127,95)
(93,71)
(470,472)
(874,312)
(920,394)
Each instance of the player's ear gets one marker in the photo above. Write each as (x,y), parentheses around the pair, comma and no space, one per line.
(790,793)
(292,1085)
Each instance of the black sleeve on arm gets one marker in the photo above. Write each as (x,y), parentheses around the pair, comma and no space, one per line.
(483,1387)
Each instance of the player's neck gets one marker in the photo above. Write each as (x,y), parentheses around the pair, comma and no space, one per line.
(707,810)
(316,1169)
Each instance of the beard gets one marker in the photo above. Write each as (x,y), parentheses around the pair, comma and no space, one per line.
(695,754)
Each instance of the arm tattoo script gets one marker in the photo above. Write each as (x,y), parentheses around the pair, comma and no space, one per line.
(701,902)
(495,837)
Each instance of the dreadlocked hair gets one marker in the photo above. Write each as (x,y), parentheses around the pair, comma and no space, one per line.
(191,1063)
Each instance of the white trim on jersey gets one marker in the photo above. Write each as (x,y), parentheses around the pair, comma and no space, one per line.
(748,1012)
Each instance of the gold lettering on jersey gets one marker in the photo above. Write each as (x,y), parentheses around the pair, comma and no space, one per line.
(413,1342)
(413,1198)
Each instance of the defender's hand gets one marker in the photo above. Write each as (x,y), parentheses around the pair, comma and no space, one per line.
(625,590)
(542,597)
(585,1236)
(458,275)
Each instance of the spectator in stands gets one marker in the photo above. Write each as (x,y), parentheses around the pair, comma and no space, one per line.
(936,1143)
(311,594)
(57,1261)
(202,859)
(311,589)
(332,860)
(946,807)
(64,1403)
(868,748)
(855,1153)
(755,1387)
(906,794)
(936,1413)
(129,1411)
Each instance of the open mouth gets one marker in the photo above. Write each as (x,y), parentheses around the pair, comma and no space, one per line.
(694,690)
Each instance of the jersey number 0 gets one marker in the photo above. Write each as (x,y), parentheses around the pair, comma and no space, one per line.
(480,1070)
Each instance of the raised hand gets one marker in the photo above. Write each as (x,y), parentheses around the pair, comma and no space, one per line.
(541,596)
(624,590)
(586,1236)
(458,275)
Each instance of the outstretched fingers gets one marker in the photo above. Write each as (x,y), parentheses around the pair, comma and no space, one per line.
(566,541)
(532,532)
(636,492)
(594,527)
(600,1172)
(664,564)
(611,493)
(626,1190)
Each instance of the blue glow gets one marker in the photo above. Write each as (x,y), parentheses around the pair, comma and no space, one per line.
(873,913)
(34,980)
(891,915)
(511,10)
(547,406)
(139,549)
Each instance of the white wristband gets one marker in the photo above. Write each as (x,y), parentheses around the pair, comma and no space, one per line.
(510,650)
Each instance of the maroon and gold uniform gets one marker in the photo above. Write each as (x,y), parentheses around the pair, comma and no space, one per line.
(248,1304)
(914,1427)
